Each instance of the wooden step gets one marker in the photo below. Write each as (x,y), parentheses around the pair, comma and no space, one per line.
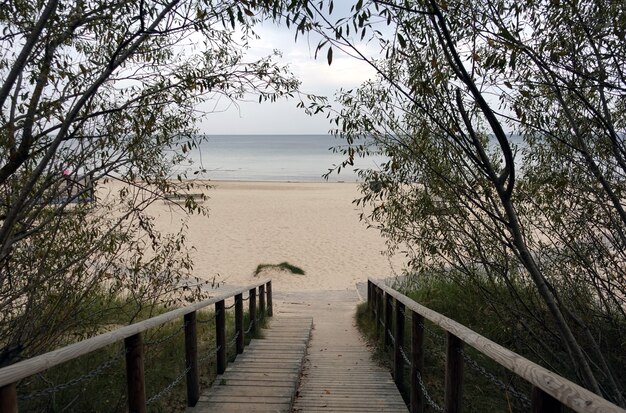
(265,377)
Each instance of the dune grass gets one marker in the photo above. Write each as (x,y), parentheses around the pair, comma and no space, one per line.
(467,305)
(285,266)
(480,394)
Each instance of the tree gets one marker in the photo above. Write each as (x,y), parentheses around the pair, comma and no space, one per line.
(94,92)
(459,81)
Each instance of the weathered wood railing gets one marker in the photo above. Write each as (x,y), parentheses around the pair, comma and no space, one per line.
(549,392)
(134,345)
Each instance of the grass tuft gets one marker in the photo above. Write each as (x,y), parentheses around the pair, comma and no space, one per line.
(285,266)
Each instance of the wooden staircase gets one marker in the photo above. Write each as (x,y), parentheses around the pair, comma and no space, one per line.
(265,377)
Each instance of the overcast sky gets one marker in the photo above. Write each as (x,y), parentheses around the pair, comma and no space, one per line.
(317,77)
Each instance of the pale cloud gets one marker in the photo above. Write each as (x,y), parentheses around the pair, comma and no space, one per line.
(316,75)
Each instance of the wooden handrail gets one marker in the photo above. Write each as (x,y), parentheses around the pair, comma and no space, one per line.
(11,374)
(568,393)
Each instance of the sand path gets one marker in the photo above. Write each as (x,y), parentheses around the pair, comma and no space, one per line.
(339,374)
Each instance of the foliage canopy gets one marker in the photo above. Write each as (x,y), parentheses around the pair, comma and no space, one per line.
(504,124)
(95,92)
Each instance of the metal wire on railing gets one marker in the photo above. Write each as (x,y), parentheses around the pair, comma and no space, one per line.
(233,340)
(249,327)
(169,387)
(433,333)
(521,397)
(404,356)
(166,338)
(208,320)
(210,353)
(427,396)
(77,380)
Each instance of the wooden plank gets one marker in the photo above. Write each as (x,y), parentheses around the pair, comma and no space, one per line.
(243,407)
(259,390)
(239,323)
(135,374)
(191,359)
(348,392)
(279,376)
(8,398)
(417,402)
(262,300)
(270,306)
(454,375)
(220,335)
(268,355)
(542,402)
(252,310)
(398,360)
(570,394)
(276,381)
(388,319)
(379,309)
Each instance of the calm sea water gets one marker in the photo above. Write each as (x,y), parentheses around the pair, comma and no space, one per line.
(302,158)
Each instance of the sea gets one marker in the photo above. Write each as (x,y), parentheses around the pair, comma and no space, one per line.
(284,158)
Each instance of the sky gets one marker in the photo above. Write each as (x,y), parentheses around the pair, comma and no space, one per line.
(317,77)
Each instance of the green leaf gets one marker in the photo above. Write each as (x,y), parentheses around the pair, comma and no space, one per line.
(329,55)
(401,41)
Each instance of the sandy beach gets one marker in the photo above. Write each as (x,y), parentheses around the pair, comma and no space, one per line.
(312,225)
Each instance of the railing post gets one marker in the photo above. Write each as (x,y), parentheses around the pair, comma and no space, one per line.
(398,362)
(373,308)
(135,374)
(262,300)
(252,309)
(381,317)
(239,323)
(417,362)
(270,308)
(191,359)
(454,374)
(8,398)
(220,335)
(376,316)
(542,402)
(388,315)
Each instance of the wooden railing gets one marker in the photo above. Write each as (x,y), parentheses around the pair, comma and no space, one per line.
(134,347)
(549,390)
